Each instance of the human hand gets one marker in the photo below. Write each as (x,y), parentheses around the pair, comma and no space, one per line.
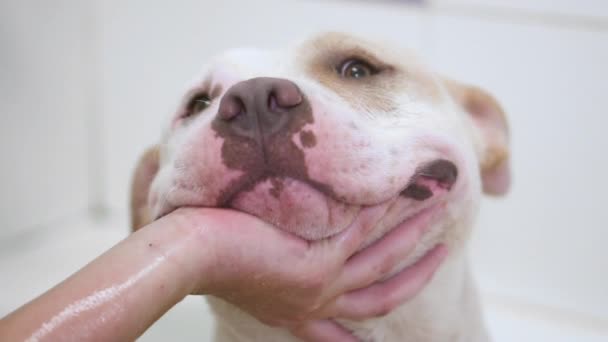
(285,281)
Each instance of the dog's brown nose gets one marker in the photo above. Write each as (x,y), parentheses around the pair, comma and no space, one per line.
(260,106)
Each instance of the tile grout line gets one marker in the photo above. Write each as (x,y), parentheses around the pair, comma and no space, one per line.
(544,18)
(555,315)
(521,16)
(39,232)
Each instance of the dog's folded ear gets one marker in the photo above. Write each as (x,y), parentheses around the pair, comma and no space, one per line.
(491,124)
(145,172)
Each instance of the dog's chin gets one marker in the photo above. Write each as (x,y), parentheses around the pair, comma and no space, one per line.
(296,207)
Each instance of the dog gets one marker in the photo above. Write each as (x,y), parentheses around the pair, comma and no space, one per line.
(305,137)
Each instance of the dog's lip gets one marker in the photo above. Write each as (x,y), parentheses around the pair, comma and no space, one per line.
(442,171)
(234,191)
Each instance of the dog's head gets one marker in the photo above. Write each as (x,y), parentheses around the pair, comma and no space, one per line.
(306,137)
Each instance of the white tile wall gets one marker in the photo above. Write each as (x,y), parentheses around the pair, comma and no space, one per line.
(44,82)
(585,8)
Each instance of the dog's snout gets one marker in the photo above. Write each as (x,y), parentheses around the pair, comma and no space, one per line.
(260,106)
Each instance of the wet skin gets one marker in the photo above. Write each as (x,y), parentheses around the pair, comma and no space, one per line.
(124,291)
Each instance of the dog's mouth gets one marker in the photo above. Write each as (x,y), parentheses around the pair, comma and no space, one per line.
(431,179)
(314,212)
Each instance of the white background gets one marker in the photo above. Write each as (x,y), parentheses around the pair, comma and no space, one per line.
(85,86)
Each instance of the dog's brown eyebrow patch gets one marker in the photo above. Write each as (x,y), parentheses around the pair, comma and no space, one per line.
(374,93)
(377,93)
(208,87)
(216,91)
(336,57)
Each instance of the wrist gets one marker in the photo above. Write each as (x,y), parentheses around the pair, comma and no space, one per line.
(193,251)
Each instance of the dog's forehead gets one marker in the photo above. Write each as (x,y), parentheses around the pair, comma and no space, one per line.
(313,64)
(251,62)
(248,61)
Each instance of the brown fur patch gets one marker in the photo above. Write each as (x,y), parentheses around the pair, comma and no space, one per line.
(274,155)
(308,139)
(489,115)
(373,94)
(494,158)
(491,122)
(277,187)
(207,87)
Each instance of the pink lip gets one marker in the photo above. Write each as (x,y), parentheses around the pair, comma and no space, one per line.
(431,178)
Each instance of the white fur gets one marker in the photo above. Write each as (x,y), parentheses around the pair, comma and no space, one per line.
(418,129)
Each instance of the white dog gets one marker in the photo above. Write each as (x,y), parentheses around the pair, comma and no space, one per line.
(306,137)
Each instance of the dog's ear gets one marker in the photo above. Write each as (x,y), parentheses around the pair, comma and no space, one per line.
(491,123)
(145,172)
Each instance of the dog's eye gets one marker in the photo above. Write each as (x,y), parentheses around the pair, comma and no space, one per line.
(197,104)
(356,68)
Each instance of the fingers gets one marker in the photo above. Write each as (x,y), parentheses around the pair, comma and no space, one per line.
(381,298)
(376,261)
(349,241)
(323,331)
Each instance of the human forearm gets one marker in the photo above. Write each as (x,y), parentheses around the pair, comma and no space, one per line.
(118,295)
(277,277)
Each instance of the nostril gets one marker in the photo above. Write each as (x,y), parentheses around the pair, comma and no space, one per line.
(272,103)
(286,95)
(230,108)
(260,106)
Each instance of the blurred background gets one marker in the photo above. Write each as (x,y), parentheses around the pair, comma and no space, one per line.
(85,86)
